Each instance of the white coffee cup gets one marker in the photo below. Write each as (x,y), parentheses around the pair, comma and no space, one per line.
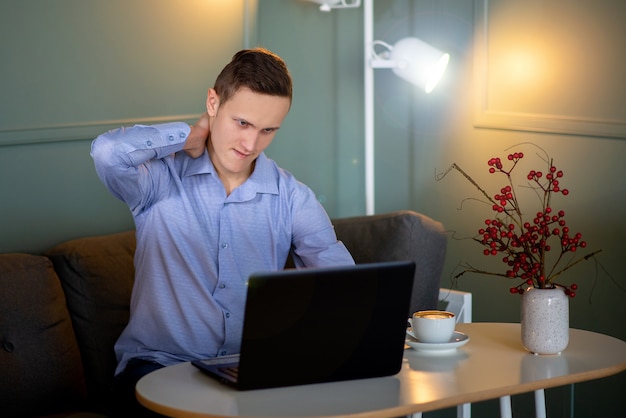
(433,326)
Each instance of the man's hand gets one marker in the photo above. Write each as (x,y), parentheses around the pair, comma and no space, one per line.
(197,139)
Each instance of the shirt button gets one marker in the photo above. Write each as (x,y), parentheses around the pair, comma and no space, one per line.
(227,314)
(171,137)
(182,135)
(222,285)
(149,143)
(225,245)
(223,353)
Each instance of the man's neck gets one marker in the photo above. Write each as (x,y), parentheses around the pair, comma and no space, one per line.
(231,182)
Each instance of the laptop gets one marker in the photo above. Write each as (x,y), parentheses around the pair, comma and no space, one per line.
(304,326)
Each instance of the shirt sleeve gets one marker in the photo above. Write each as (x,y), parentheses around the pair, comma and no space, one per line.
(314,240)
(126,159)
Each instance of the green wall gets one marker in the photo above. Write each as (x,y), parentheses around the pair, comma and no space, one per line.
(71,69)
(327,104)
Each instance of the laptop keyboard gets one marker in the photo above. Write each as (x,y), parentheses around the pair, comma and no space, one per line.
(232,371)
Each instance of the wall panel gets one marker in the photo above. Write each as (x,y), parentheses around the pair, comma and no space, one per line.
(71,69)
(551,66)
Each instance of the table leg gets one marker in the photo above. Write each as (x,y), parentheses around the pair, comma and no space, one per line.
(464,411)
(540,404)
(505,407)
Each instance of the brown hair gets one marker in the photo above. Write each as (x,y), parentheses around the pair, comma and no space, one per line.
(258,69)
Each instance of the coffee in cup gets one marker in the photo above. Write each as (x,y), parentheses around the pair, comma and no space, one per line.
(433,326)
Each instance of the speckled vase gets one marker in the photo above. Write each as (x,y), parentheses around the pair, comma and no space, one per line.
(545,320)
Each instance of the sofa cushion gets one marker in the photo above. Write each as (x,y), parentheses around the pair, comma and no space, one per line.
(97,275)
(397,236)
(40,365)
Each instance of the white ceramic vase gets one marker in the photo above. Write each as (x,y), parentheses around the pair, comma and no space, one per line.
(545,320)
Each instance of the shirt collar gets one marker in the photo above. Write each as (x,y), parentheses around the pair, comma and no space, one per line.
(200,165)
(262,180)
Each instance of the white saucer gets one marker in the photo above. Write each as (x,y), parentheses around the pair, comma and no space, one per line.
(457,340)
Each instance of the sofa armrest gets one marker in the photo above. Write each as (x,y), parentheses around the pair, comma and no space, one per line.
(40,366)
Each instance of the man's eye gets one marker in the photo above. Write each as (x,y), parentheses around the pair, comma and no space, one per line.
(268,130)
(242,122)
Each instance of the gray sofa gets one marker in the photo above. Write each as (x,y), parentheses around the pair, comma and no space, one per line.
(61,312)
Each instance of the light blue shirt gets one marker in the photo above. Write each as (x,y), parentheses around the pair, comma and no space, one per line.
(196,246)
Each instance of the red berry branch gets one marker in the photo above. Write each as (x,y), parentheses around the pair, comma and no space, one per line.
(525,244)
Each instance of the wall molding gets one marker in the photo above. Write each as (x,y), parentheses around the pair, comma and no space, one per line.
(486,115)
(80,131)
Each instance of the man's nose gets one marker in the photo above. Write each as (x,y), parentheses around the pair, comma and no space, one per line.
(249,141)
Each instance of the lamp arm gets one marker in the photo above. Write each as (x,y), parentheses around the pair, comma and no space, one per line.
(328,5)
(383,63)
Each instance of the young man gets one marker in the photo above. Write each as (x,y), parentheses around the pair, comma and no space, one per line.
(210,209)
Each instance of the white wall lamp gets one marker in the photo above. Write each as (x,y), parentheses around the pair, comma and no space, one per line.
(410,59)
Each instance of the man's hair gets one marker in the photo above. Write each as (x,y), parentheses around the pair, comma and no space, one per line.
(258,69)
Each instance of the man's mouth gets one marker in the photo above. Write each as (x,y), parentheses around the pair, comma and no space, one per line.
(241,154)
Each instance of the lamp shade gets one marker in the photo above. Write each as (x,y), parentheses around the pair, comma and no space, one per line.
(419,63)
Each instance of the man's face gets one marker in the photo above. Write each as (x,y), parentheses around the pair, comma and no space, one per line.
(241,129)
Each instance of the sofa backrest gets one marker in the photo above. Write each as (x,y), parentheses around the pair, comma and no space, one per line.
(40,365)
(398,236)
(97,275)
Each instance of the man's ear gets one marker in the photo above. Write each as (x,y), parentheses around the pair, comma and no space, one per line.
(212,102)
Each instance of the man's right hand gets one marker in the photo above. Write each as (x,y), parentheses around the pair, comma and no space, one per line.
(197,140)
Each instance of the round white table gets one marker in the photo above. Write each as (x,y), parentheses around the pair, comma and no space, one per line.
(492,364)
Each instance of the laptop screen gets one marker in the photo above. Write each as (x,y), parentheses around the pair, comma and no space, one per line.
(319,325)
